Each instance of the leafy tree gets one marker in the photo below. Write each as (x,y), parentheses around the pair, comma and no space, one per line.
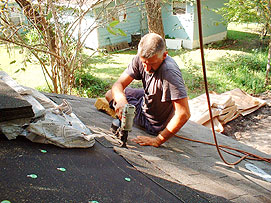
(55,42)
(247,11)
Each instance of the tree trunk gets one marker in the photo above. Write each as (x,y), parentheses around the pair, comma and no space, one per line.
(268,65)
(154,16)
(41,24)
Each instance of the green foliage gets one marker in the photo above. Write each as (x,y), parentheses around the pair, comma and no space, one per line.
(245,71)
(43,88)
(193,75)
(249,11)
(114,23)
(169,37)
(240,11)
(89,86)
(111,28)
(20,69)
(49,16)
(32,36)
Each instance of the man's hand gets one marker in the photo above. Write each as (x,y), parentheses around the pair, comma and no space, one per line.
(118,92)
(147,141)
(119,107)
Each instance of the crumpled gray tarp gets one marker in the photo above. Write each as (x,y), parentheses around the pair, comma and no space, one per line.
(52,123)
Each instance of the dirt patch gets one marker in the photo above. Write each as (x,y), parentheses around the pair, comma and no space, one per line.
(253,129)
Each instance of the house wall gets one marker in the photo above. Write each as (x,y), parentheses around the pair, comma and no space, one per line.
(185,27)
(92,38)
(87,24)
(178,26)
(16,16)
(135,23)
(212,28)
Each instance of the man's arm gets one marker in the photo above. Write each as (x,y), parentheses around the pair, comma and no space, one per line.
(118,92)
(180,117)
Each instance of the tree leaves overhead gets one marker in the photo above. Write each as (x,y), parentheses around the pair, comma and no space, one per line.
(111,28)
(250,11)
(246,11)
(114,23)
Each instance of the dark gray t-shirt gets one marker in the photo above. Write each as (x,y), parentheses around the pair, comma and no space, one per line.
(160,89)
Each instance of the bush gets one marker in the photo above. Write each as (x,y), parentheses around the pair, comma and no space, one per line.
(90,86)
(246,71)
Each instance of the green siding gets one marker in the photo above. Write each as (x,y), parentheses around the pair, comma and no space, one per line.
(186,26)
(211,22)
(178,26)
(134,24)
(182,26)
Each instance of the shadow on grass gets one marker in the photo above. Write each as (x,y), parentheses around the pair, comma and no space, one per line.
(99,59)
(112,72)
(241,41)
(179,52)
(239,35)
(126,52)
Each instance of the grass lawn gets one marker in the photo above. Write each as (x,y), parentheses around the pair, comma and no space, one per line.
(228,64)
(13,60)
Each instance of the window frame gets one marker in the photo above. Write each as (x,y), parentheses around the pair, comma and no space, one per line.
(181,7)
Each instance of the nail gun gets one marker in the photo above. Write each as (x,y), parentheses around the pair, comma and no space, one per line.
(121,127)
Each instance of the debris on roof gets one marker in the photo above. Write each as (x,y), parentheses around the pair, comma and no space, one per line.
(12,104)
(50,123)
(225,107)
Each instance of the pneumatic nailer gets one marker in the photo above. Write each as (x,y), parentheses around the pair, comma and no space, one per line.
(121,127)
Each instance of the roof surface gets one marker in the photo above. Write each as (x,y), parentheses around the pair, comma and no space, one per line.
(178,171)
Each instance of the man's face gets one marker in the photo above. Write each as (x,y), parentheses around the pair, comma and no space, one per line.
(152,64)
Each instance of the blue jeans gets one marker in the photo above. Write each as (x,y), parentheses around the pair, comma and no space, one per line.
(135,97)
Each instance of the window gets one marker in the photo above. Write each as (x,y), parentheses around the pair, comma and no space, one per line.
(112,14)
(16,19)
(179,7)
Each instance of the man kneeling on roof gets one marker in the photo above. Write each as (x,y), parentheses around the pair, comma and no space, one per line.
(162,105)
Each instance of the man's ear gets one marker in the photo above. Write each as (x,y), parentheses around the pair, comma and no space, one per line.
(165,54)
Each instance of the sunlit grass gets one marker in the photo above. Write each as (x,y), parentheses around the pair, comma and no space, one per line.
(238,62)
(12,61)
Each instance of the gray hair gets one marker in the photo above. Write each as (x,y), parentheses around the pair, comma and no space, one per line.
(151,44)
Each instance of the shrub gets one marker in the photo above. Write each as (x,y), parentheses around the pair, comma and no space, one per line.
(90,86)
(246,71)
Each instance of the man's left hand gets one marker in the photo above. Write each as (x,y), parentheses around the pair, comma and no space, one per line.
(147,141)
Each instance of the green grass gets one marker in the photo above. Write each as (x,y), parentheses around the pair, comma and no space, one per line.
(12,62)
(238,62)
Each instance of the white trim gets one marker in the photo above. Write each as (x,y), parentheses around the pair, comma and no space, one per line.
(174,43)
(188,44)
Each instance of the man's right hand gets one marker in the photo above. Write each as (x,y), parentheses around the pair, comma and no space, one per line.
(118,92)
(119,107)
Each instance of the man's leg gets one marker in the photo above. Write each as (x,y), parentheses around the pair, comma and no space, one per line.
(135,97)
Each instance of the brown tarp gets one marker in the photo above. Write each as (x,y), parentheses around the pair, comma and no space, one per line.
(225,107)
